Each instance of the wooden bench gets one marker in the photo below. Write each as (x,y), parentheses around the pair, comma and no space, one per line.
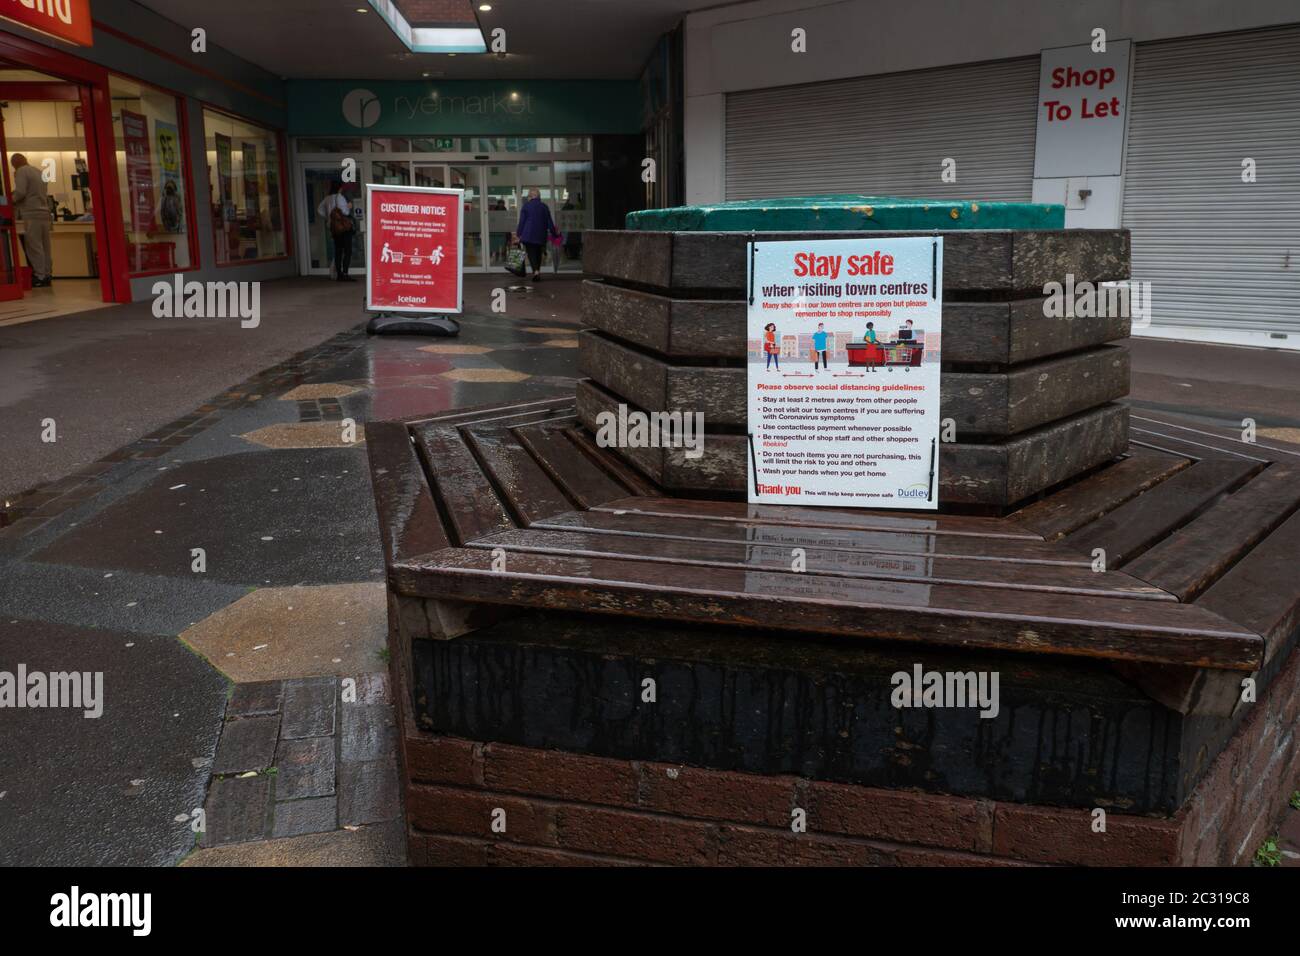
(608,645)
(581,531)
(521,556)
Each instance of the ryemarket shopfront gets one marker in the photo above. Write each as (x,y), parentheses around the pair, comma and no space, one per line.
(576,142)
(157,160)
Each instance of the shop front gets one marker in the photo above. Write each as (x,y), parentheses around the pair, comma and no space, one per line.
(1187,138)
(121,150)
(497,142)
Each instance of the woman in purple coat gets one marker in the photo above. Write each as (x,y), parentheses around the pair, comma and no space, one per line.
(535,223)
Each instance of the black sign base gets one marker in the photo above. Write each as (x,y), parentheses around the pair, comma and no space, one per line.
(389,324)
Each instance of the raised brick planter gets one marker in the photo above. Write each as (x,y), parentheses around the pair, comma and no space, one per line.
(519,688)
(599,655)
(567,809)
(1030,396)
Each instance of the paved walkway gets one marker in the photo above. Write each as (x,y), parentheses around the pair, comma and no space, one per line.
(244,524)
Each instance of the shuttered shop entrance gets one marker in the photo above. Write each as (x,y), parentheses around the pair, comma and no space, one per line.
(1222,256)
(888,135)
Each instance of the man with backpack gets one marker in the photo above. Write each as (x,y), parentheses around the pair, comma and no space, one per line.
(337,213)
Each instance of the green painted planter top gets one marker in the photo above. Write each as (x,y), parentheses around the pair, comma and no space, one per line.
(817,213)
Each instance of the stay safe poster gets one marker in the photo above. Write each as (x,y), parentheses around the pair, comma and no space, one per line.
(845,339)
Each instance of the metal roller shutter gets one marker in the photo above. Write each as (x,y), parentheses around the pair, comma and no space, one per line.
(1219,253)
(888,135)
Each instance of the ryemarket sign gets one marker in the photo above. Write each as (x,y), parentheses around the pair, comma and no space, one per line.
(332,108)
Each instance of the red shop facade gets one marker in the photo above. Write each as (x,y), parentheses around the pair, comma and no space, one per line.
(153,163)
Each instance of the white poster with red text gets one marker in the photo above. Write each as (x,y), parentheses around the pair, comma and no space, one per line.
(845,343)
(414,248)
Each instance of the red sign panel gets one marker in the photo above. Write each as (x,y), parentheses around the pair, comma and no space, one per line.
(139,172)
(65,19)
(414,249)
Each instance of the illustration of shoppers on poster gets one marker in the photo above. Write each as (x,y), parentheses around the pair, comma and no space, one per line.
(849,414)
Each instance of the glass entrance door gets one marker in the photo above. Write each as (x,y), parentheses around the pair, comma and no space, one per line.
(10,281)
(470,179)
(502,210)
(318,250)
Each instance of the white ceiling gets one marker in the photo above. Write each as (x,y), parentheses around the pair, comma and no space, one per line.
(328,39)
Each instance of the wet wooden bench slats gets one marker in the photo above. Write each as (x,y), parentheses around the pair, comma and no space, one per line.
(588,484)
(1089,498)
(584,532)
(1260,591)
(806,517)
(527,489)
(1198,553)
(1134,526)
(1230,444)
(1197,444)
(1072,579)
(794,536)
(409,522)
(944,614)
(470,500)
(617,468)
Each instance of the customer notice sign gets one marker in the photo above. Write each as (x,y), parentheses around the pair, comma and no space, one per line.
(843,371)
(415,250)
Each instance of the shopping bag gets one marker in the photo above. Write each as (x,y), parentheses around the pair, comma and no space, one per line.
(515,259)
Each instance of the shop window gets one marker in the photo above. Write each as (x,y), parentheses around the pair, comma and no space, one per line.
(573,183)
(390,174)
(329,146)
(527,144)
(390,144)
(151,177)
(248,220)
(572,144)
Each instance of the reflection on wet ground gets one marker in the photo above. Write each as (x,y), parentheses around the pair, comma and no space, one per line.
(262,488)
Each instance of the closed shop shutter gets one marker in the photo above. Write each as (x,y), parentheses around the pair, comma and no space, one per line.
(1221,255)
(888,135)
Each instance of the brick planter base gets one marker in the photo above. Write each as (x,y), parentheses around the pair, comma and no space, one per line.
(573,809)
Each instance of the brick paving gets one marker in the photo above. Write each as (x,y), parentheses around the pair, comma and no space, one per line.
(302,756)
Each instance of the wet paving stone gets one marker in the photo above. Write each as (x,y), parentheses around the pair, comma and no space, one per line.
(277,517)
(304,768)
(309,708)
(236,810)
(255,699)
(299,817)
(247,744)
(105,791)
(368,792)
(367,732)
